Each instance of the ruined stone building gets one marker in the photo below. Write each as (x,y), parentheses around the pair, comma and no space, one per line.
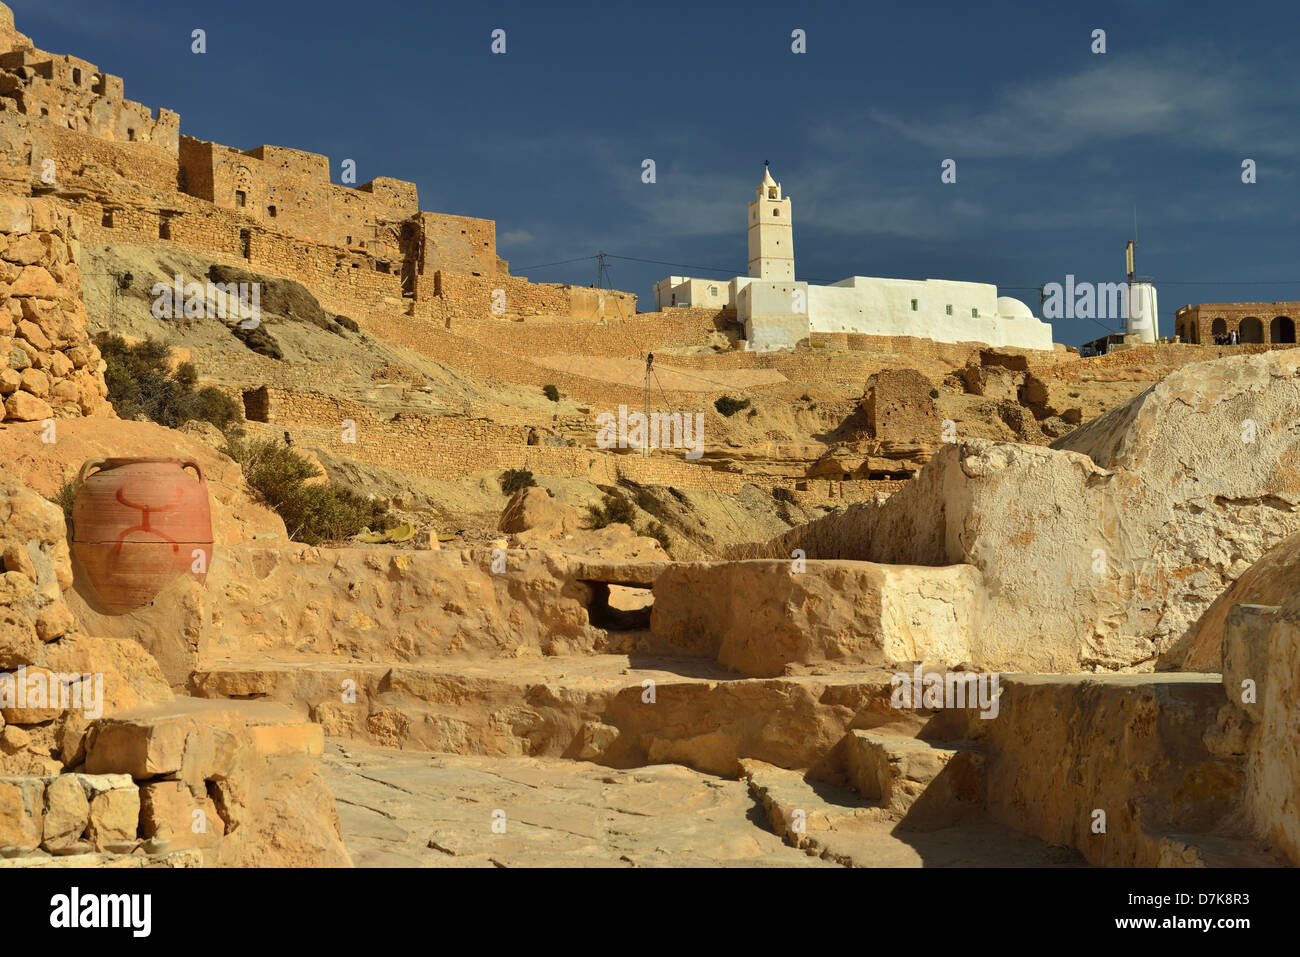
(67,130)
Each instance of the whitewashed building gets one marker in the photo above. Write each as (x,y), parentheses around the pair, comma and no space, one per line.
(777,311)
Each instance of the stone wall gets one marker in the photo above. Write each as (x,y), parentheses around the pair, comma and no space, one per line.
(900,408)
(48,367)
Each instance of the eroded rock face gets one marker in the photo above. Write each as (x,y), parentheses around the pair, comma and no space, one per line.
(1103,550)
(1270,581)
(1060,750)
(1261,677)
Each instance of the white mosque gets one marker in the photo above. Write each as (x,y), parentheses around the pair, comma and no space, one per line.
(777,311)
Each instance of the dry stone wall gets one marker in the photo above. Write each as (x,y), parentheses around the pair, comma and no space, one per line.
(48,367)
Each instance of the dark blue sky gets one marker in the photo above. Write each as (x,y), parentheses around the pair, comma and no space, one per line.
(1054,144)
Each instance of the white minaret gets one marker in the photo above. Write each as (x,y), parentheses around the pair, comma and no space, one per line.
(771,234)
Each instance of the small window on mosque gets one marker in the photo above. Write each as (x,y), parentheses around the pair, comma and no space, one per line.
(948,309)
(914,305)
(974,313)
(776,212)
(771,192)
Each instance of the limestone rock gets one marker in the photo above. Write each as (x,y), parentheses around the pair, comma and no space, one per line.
(25,407)
(22,801)
(760,617)
(67,812)
(171,812)
(114,816)
(534,508)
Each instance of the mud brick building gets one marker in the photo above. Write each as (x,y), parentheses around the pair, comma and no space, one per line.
(67,131)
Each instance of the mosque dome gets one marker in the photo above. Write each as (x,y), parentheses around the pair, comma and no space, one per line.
(1009,308)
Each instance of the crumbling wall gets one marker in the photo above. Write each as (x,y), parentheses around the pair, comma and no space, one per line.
(900,408)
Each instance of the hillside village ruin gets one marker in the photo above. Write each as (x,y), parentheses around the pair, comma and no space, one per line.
(906,483)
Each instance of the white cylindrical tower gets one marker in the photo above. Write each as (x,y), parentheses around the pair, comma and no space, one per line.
(1143,312)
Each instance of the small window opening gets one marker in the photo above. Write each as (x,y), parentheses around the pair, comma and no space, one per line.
(246,243)
(241,198)
(107,220)
(914,303)
(948,309)
(270,211)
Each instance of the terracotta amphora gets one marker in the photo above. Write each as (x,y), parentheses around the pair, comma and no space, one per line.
(139,523)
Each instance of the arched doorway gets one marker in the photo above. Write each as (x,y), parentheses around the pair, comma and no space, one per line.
(1250,330)
(1218,328)
(1281,329)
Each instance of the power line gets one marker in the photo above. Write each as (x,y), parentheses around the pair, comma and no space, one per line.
(562,262)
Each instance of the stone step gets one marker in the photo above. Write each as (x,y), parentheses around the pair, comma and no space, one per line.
(837,824)
(158,740)
(922,783)
(618,710)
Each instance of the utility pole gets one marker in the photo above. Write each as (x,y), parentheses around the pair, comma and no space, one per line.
(602,271)
(649,367)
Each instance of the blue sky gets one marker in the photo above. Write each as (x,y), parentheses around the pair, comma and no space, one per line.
(1054,144)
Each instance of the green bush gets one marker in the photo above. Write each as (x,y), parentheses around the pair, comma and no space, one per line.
(659,532)
(140,382)
(314,514)
(613,509)
(551,392)
(64,498)
(512,480)
(728,406)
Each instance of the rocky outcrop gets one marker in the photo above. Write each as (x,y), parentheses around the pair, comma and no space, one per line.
(1103,550)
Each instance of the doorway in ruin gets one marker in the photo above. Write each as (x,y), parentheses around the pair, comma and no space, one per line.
(617,608)
(408,243)
(257,404)
(1218,328)
(1281,329)
(1250,330)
